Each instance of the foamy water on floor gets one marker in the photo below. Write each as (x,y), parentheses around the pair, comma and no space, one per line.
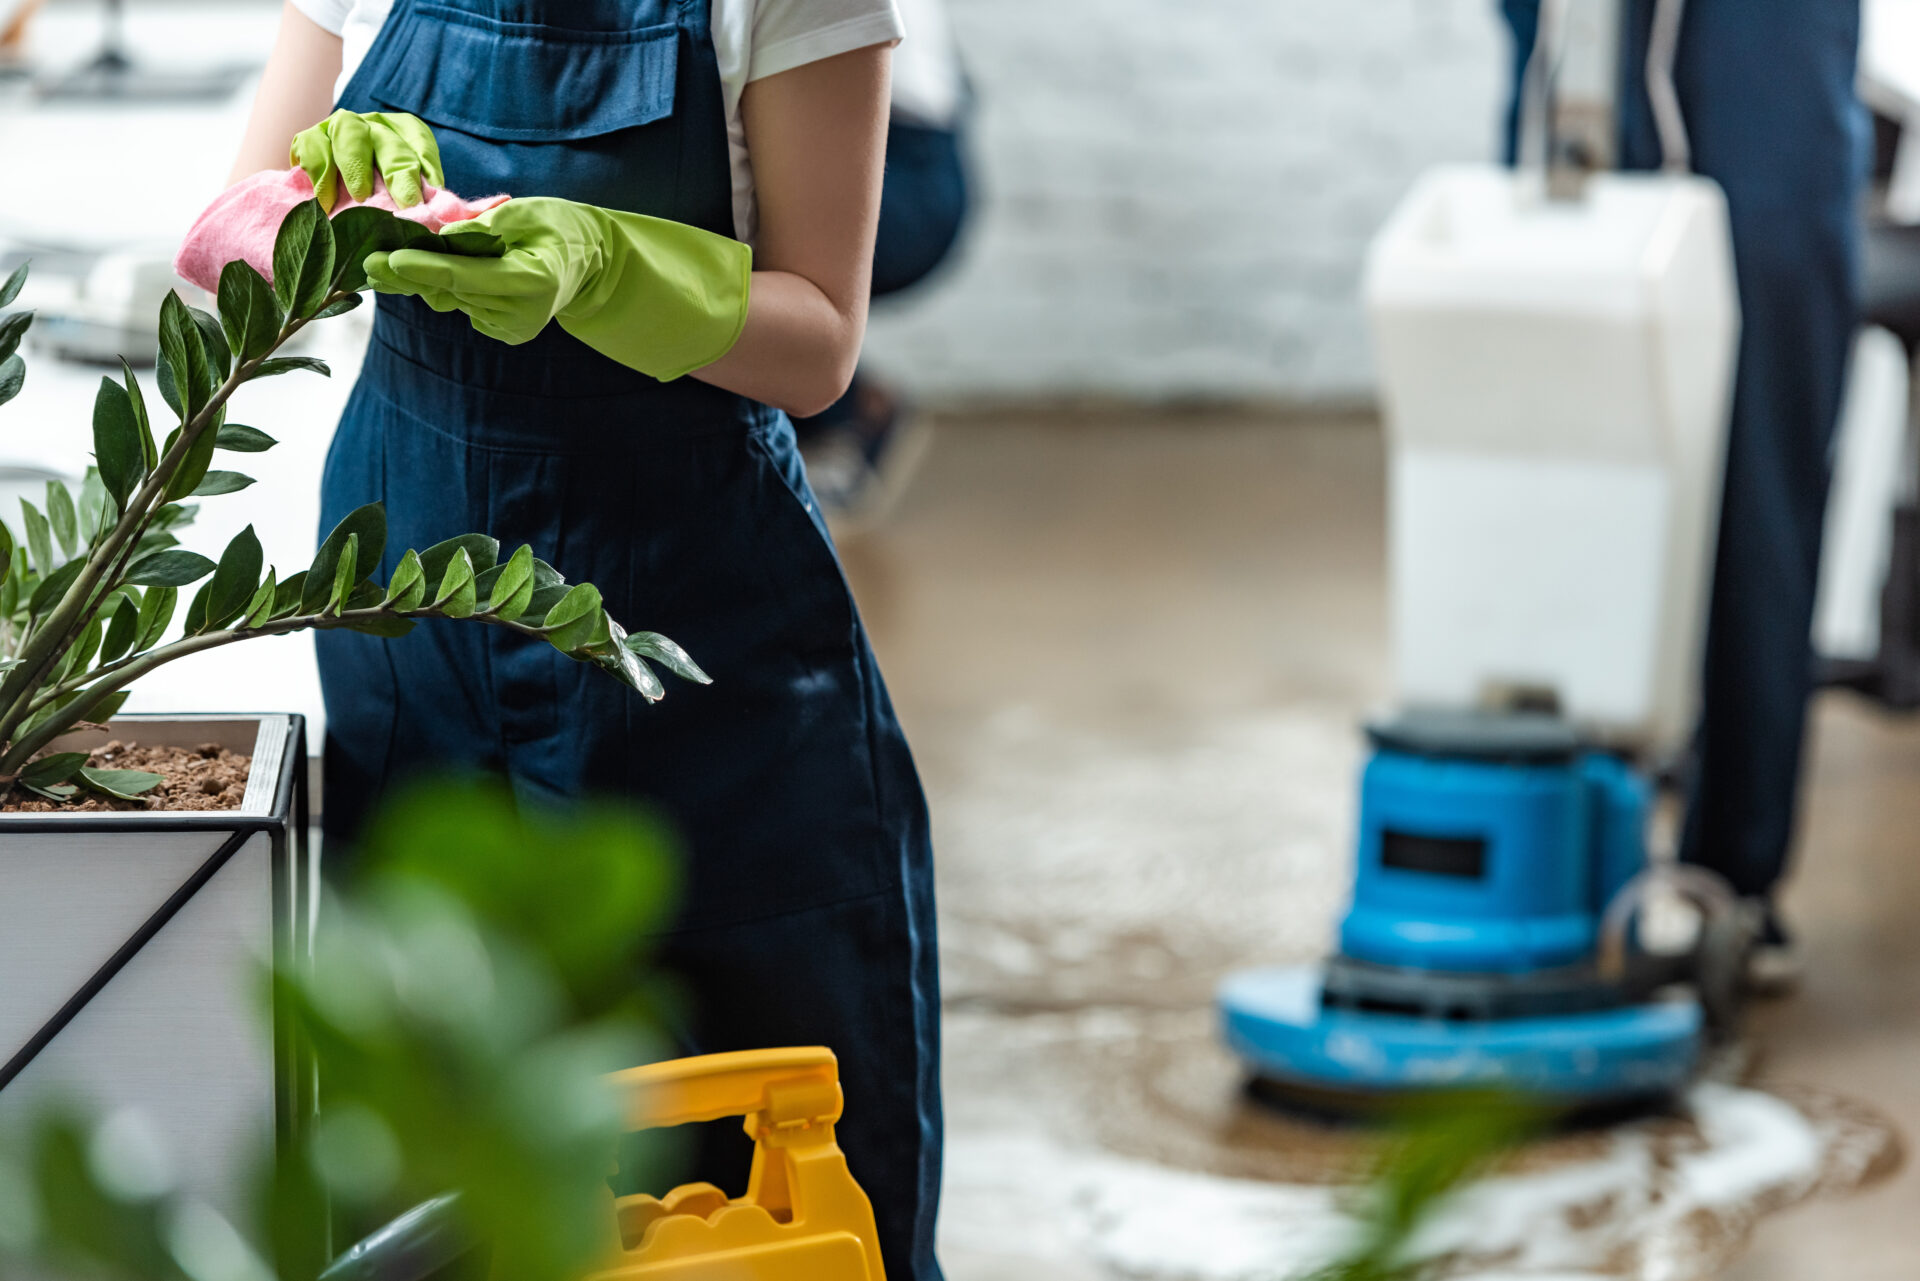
(1638,1207)
(1096,880)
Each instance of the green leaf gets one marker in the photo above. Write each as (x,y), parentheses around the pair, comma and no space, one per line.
(39,537)
(366,595)
(364,230)
(235,579)
(12,329)
(10,587)
(58,792)
(221,482)
(544,599)
(214,337)
(245,440)
(514,588)
(13,376)
(122,631)
(186,356)
(175,515)
(108,707)
(48,770)
(512,607)
(572,623)
(408,586)
(126,784)
(53,588)
(286,598)
(345,575)
(612,655)
(11,289)
(47,712)
(62,516)
(195,621)
(249,310)
(156,611)
(293,1216)
(389,628)
(139,403)
(171,568)
(471,243)
(260,608)
(94,505)
(82,653)
(287,364)
(358,232)
(169,388)
(483,551)
(193,466)
(456,597)
(6,552)
(663,651)
(302,260)
(484,580)
(367,526)
(339,307)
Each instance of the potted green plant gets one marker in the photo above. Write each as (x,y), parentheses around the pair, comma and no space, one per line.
(120,922)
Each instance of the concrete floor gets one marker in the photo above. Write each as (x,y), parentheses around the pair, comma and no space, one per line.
(1130,653)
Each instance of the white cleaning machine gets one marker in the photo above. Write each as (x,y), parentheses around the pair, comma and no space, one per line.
(1556,353)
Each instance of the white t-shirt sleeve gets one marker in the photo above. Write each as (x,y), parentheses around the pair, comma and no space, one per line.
(328,15)
(793,33)
(753,39)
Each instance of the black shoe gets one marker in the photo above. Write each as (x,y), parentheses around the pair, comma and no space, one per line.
(1775,965)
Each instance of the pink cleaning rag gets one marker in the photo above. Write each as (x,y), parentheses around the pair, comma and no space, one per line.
(243,220)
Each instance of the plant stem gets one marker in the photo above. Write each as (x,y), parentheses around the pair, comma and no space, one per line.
(118,675)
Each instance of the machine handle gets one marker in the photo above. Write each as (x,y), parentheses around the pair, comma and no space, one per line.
(798,1086)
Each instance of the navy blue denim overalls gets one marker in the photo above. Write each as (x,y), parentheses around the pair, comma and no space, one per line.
(808,912)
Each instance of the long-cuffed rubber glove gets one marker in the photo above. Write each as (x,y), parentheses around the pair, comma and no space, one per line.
(349,146)
(657,296)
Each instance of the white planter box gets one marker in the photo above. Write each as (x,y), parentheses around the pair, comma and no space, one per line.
(129,953)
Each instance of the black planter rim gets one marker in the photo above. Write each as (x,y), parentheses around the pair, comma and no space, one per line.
(276,817)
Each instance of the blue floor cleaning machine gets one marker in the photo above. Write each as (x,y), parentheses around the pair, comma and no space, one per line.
(1555,348)
(1491,941)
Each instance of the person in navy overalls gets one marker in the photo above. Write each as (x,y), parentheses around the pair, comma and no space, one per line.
(1766,87)
(807,911)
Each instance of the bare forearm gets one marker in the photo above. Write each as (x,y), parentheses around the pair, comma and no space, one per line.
(797,350)
(296,90)
(817,135)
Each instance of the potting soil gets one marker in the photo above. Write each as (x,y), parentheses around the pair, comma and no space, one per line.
(207,777)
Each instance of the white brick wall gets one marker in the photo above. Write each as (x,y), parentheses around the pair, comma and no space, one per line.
(1175,194)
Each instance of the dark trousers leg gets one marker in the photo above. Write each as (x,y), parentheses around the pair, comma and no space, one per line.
(1767,90)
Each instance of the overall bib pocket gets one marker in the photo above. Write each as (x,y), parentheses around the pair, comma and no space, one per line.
(523,82)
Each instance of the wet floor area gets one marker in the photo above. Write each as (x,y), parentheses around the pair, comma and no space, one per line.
(1132,653)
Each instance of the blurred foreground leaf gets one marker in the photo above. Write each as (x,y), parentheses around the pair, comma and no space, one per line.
(1435,1148)
(468,994)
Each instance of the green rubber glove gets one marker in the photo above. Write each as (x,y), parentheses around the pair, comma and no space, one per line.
(349,147)
(657,296)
